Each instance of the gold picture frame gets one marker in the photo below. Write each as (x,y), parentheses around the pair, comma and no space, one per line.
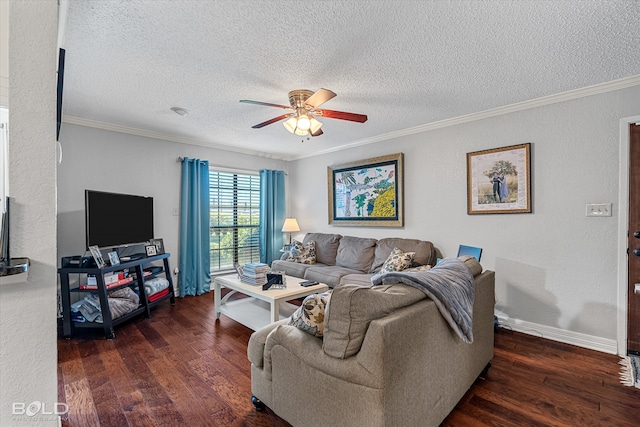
(499,180)
(367,192)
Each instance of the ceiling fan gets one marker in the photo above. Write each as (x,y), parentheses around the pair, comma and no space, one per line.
(304,103)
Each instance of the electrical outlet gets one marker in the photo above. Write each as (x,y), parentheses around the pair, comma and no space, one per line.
(598,209)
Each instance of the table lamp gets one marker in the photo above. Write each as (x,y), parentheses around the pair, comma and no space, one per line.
(290,226)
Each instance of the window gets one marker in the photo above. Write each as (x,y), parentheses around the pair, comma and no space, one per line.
(234,219)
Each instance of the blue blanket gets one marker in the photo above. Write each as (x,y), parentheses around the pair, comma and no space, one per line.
(449,284)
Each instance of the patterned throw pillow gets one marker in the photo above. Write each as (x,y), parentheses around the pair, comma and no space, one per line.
(397,261)
(310,315)
(303,254)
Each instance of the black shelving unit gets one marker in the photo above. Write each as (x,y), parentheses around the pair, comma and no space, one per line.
(136,267)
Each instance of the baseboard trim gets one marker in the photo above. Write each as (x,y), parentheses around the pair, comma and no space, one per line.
(561,335)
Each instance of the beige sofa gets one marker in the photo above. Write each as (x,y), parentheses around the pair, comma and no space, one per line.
(387,358)
(347,259)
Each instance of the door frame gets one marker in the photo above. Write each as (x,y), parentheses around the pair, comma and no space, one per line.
(623,226)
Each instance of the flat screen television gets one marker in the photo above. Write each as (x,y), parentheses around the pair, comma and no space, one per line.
(113,219)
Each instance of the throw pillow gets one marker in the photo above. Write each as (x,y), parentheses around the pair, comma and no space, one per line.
(310,315)
(304,254)
(397,261)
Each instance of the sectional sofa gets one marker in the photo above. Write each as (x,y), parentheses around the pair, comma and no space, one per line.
(347,259)
(387,358)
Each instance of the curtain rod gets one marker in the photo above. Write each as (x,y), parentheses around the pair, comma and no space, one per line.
(180,159)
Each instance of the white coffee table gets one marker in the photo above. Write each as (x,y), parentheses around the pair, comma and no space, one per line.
(263,307)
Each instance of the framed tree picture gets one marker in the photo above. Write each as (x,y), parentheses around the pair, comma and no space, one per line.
(499,180)
(367,192)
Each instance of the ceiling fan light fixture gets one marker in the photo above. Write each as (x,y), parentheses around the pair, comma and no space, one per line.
(301,125)
(290,124)
(304,105)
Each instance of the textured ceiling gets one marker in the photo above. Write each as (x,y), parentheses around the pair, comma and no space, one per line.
(402,63)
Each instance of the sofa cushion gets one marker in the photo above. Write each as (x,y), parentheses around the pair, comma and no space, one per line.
(310,315)
(356,253)
(326,246)
(329,274)
(303,253)
(425,252)
(397,261)
(353,307)
(291,268)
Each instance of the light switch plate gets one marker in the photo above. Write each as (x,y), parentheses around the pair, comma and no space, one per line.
(598,209)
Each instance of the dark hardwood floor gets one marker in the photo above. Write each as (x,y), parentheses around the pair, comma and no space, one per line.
(184,368)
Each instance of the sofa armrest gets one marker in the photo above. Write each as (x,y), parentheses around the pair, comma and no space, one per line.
(308,349)
(255,348)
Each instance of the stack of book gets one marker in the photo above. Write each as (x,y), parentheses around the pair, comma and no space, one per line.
(254,273)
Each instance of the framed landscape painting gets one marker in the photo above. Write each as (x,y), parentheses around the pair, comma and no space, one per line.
(367,192)
(499,180)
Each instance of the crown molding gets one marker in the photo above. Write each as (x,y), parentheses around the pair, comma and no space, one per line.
(164,136)
(507,109)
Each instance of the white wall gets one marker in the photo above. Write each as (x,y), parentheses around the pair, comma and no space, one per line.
(28,362)
(104,160)
(556,269)
(4,53)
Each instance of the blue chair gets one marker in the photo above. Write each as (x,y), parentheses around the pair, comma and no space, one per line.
(471,251)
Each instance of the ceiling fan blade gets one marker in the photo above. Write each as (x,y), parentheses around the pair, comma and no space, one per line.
(268,122)
(342,115)
(318,98)
(318,133)
(248,101)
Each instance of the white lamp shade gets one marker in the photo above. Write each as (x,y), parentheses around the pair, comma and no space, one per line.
(302,124)
(290,226)
(315,125)
(290,124)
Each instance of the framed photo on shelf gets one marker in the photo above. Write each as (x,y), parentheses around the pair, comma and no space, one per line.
(499,180)
(113,258)
(151,250)
(159,244)
(97,256)
(368,192)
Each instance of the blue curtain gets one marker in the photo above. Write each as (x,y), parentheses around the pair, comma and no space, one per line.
(272,214)
(195,262)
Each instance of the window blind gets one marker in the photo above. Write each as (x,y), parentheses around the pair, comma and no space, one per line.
(234,219)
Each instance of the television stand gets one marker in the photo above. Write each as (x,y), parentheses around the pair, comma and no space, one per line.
(157,265)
